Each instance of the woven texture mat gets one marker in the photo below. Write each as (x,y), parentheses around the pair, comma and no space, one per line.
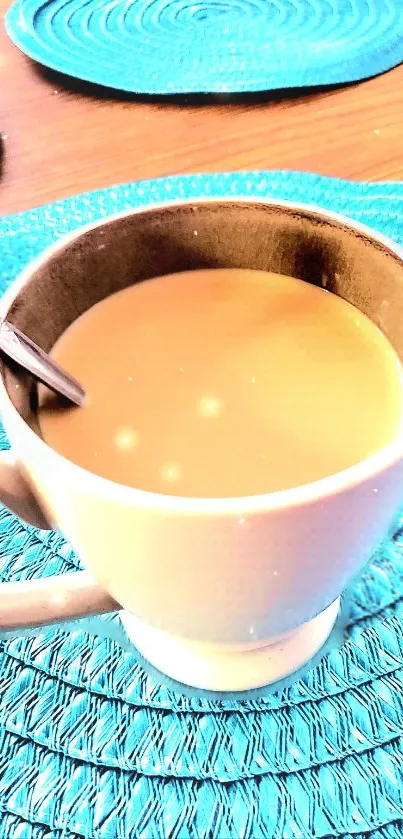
(210,46)
(91,745)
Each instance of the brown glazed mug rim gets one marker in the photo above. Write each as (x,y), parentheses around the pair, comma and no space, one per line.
(295,496)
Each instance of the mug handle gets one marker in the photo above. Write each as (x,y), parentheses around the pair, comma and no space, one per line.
(47,600)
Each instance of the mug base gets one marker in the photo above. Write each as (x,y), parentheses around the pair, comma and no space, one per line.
(217,667)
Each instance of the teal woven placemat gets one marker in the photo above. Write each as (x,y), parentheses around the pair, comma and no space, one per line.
(210,46)
(91,745)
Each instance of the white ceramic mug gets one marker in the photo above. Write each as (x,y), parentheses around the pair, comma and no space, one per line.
(229,593)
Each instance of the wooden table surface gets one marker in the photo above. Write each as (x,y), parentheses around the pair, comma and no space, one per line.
(61,137)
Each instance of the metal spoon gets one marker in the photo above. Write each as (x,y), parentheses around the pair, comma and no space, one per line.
(28,355)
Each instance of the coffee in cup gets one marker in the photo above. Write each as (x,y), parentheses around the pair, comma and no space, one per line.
(221,591)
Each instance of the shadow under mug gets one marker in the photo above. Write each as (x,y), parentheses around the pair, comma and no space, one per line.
(225,593)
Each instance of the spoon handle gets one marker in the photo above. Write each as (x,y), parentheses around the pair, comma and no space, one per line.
(28,355)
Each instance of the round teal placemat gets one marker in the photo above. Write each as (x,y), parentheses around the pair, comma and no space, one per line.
(210,46)
(91,745)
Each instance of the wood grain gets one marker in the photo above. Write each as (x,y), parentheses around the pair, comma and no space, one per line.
(62,137)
